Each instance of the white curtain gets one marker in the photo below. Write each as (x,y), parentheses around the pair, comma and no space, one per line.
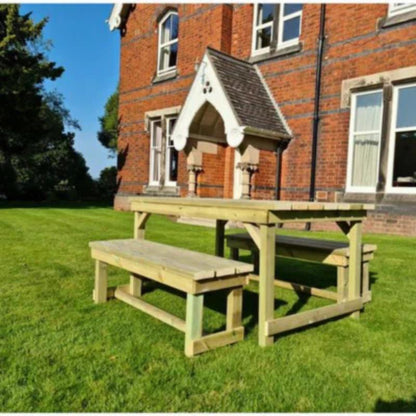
(366,139)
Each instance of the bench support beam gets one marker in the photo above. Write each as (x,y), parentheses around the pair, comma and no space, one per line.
(313,291)
(122,293)
(234,308)
(288,323)
(219,339)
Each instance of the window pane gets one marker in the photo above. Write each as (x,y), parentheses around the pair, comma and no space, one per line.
(365,160)
(406,112)
(291,8)
(170,28)
(368,112)
(156,166)
(291,29)
(404,170)
(263,37)
(265,13)
(166,29)
(157,134)
(171,125)
(174,26)
(173,164)
(168,56)
(173,54)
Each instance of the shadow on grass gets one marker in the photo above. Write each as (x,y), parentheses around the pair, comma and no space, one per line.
(405,406)
(55,204)
(217,301)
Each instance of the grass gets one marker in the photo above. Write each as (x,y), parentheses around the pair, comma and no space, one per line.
(60,352)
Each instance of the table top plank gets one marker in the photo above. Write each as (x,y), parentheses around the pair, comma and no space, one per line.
(255,205)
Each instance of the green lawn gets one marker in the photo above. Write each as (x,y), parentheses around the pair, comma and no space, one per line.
(60,352)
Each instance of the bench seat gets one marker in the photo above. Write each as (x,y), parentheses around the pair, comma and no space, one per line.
(334,253)
(185,270)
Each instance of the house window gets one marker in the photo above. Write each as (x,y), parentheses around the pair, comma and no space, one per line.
(168,43)
(275,26)
(401,171)
(364,141)
(163,169)
(399,8)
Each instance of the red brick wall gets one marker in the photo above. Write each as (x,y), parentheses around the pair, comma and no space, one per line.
(354,46)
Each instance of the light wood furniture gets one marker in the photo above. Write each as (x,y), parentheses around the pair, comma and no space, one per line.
(335,253)
(260,219)
(188,271)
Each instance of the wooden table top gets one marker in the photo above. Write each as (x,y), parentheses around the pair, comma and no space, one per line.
(263,211)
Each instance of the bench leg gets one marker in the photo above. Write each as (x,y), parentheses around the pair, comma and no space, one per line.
(100,284)
(354,277)
(234,308)
(194,313)
(234,253)
(366,290)
(342,284)
(136,285)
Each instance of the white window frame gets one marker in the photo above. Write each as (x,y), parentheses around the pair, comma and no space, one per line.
(163,45)
(352,133)
(392,142)
(256,28)
(153,149)
(168,149)
(282,19)
(399,8)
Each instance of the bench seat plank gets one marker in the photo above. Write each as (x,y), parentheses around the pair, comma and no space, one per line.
(192,265)
(336,247)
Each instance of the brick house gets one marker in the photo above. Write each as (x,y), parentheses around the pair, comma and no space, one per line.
(284,101)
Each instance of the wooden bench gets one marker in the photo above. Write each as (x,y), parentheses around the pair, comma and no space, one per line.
(324,251)
(185,270)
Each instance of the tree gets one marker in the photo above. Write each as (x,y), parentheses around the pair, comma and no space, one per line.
(107,183)
(36,151)
(107,136)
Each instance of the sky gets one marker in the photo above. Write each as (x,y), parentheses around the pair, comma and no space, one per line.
(89,52)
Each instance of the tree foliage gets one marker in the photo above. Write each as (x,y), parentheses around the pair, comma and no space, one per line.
(107,183)
(37,157)
(107,135)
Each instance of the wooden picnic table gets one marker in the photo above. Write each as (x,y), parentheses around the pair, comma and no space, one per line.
(260,219)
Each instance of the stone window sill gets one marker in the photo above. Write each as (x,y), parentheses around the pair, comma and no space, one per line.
(389,21)
(276,53)
(161,190)
(165,77)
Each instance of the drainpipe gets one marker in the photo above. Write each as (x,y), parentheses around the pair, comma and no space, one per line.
(278,169)
(316,107)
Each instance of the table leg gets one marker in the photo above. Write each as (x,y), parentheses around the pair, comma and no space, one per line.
(219,238)
(266,281)
(354,279)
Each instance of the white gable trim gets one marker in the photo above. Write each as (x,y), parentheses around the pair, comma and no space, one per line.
(206,87)
(116,16)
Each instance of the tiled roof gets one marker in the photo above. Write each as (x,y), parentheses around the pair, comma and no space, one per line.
(247,93)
